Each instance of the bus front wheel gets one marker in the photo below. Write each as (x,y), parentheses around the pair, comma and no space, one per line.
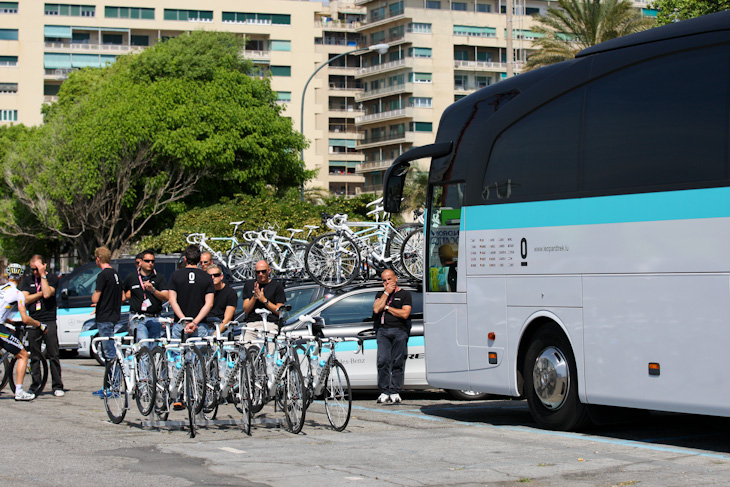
(551,382)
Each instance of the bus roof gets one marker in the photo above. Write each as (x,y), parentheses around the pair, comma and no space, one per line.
(707,23)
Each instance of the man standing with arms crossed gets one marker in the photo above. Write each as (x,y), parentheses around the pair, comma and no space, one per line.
(191,295)
(146,291)
(392,311)
(40,300)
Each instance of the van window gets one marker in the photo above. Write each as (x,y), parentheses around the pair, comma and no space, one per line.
(83,283)
(659,123)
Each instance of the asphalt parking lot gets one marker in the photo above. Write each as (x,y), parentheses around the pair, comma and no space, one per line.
(428,440)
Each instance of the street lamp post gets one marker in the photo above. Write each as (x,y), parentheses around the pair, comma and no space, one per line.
(380,48)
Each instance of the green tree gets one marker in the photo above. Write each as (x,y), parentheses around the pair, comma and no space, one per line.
(414,191)
(676,10)
(578,24)
(125,142)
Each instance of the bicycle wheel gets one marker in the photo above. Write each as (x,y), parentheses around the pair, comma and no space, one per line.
(212,387)
(332,260)
(115,391)
(197,362)
(337,396)
(5,372)
(190,396)
(244,395)
(305,366)
(239,259)
(395,245)
(162,384)
(412,255)
(146,381)
(28,379)
(295,404)
(258,379)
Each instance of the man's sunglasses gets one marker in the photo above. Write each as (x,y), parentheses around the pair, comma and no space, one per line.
(217,274)
(149,261)
(205,262)
(262,272)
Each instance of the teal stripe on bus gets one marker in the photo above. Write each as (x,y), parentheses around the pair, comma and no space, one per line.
(644,207)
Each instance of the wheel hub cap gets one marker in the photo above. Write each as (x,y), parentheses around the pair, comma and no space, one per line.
(551,378)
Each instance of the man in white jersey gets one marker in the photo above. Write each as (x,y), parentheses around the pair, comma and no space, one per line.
(12,300)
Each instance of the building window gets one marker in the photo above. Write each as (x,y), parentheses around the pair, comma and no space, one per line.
(129,13)
(7,88)
(284,95)
(279,46)
(435,4)
(189,15)
(111,39)
(137,40)
(395,8)
(280,70)
(461,55)
(483,7)
(461,82)
(8,34)
(70,10)
(424,52)
(420,102)
(8,115)
(7,61)
(8,7)
(482,81)
(80,38)
(473,31)
(420,77)
(419,28)
(256,18)
(460,6)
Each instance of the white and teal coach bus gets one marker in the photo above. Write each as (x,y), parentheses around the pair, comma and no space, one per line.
(587,207)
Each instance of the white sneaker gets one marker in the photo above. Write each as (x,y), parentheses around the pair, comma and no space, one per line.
(395,398)
(59,393)
(383,398)
(24,396)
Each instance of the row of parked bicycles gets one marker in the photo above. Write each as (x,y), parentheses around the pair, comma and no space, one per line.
(350,250)
(199,375)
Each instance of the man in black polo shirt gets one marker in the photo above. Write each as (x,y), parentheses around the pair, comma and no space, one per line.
(191,295)
(108,299)
(40,300)
(146,291)
(224,302)
(392,311)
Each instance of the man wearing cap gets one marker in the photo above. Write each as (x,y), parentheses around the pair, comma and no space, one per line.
(12,300)
(146,291)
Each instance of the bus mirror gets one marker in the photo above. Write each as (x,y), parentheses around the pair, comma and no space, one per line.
(393,192)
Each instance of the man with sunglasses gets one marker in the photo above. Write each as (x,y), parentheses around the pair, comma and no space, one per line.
(206,260)
(40,300)
(146,291)
(224,302)
(262,293)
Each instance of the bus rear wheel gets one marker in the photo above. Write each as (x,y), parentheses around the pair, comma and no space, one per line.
(551,382)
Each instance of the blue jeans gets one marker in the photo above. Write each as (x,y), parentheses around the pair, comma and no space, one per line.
(202,331)
(391,362)
(107,329)
(151,328)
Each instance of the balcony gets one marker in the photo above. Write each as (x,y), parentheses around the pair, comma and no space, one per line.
(351,110)
(57,73)
(388,90)
(378,188)
(257,55)
(485,66)
(381,140)
(389,115)
(374,166)
(83,47)
(50,98)
(338,26)
(381,68)
(342,86)
(369,23)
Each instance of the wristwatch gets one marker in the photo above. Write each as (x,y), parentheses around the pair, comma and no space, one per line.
(266,303)
(386,308)
(44,277)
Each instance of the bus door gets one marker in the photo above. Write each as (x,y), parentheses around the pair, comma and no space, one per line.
(445,314)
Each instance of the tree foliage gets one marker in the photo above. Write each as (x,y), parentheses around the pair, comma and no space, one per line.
(126,141)
(676,10)
(578,24)
(286,211)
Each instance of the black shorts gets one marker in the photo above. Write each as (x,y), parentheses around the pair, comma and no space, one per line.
(9,341)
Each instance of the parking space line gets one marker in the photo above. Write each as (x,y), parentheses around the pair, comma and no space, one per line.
(578,436)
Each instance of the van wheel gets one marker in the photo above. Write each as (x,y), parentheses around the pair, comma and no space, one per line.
(551,382)
(468,395)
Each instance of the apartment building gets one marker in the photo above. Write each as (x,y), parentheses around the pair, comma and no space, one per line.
(360,111)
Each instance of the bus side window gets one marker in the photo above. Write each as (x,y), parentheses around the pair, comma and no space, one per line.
(443,239)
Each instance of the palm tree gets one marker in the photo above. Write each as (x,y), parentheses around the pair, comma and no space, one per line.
(579,24)
(414,191)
